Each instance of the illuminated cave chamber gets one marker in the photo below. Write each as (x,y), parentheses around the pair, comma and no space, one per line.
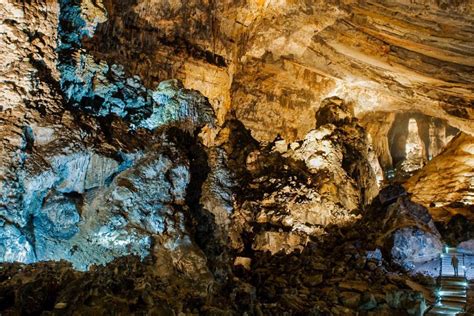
(406,142)
(232,157)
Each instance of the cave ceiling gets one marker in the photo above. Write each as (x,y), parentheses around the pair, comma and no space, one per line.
(272,62)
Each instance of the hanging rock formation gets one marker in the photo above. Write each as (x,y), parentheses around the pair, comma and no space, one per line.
(225,157)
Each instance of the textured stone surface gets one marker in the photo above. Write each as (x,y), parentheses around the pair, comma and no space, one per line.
(404,142)
(74,186)
(85,207)
(273,62)
(312,281)
(123,132)
(445,185)
(295,190)
(410,234)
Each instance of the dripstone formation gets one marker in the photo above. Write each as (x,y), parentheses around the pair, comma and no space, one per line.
(232,157)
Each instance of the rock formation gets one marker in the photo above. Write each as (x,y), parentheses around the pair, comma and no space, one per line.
(446,185)
(227,157)
(322,180)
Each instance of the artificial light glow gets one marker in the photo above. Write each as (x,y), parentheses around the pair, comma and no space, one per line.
(365,94)
(413,148)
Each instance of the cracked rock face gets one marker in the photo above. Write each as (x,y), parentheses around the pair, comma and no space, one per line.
(411,234)
(76,186)
(88,205)
(445,185)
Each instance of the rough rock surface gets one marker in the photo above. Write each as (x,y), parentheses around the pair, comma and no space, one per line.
(405,142)
(88,171)
(459,231)
(274,61)
(292,191)
(125,151)
(89,202)
(446,184)
(334,276)
(407,233)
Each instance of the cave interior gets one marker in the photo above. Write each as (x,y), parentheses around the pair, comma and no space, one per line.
(257,157)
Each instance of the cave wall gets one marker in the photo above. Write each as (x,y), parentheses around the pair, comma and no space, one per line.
(111,172)
(406,141)
(445,185)
(87,172)
(86,101)
(378,125)
(273,62)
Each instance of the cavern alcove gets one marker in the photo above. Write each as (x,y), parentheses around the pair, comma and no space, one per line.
(405,142)
(424,136)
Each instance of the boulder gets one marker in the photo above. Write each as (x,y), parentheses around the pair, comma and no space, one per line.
(375,255)
(350,299)
(313,280)
(359,286)
(466,246)
(368,301)
(412,302)
(409,233)
(413,245)
(243,262)
(279,241)
(390,194)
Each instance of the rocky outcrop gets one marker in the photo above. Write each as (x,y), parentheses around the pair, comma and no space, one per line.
(89,202)
(296,190)
(90,169)
(445,185)
(408,233)
(466,246)
(87,189)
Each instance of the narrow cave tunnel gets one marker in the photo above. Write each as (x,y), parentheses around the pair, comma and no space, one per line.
(209,157)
